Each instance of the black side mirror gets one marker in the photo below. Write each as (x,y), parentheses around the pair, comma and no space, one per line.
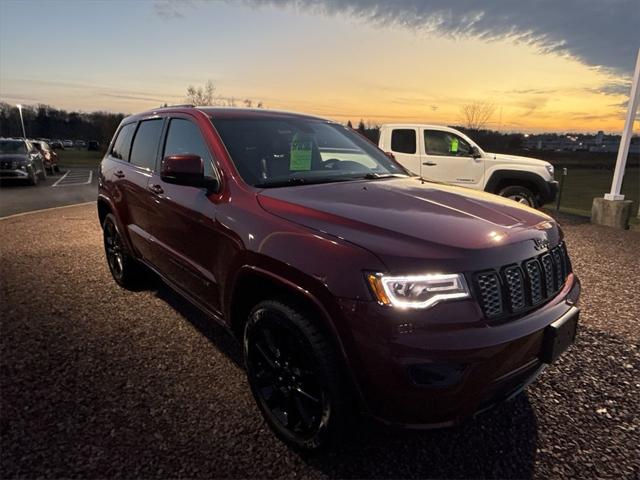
(186,170)
(475,152)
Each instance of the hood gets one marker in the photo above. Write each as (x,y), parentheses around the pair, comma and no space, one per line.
(410,219)
(518,159)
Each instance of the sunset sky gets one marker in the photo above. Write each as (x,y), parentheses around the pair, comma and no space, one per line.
(546,66)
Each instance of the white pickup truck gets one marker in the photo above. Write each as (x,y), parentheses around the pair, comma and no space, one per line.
(447,155)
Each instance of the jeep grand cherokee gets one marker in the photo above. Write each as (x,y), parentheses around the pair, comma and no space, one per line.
(353,286)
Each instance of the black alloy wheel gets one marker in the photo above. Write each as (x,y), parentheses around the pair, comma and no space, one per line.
(124,269)
(293,374)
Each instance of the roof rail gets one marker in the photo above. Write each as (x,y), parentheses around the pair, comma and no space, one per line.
(182,105)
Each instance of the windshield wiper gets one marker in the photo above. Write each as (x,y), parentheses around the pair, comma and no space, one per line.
(375,176)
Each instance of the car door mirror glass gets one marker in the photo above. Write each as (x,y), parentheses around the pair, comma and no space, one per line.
(475,152)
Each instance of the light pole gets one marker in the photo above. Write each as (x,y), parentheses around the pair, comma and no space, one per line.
(24,133)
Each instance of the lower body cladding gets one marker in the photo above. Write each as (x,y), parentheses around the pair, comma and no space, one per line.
(436,368)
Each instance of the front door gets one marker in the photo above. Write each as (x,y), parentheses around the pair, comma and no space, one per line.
(184,223)
(447,157)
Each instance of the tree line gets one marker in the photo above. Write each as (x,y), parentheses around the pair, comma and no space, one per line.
(45,121)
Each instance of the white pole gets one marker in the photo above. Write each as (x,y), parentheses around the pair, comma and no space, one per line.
(24,133)
(623,150)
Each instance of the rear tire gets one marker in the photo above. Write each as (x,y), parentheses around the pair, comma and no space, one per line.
(125,270)
(295,377)
(43,174)
(519,194)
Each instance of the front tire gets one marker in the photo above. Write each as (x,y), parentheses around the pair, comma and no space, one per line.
(124,269)
(519,194)
(33,178)
(295,378)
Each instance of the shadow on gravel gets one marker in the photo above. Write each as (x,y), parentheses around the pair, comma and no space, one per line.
(500,443)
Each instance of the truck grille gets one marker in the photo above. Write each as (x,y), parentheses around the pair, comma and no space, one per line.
(513,289)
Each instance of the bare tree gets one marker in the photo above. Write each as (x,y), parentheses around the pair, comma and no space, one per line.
(476,115)
(201,95)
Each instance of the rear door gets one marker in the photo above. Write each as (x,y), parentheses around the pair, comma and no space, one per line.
(404,146)
(135,179)
(447,157)
(184,218)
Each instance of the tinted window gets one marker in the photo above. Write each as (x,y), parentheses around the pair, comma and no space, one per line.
(184,137)
(437,142)
(403,141)
(145,144)
(122,145)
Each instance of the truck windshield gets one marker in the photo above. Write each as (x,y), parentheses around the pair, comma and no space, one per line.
(293,151)
(12,146)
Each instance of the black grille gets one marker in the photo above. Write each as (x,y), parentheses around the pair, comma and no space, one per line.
(515,288)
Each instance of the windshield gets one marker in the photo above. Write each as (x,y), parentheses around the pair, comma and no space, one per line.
(291,151)
(12,146)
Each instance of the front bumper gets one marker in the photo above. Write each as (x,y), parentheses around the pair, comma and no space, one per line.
(435,368)
(549,192)
(14,174)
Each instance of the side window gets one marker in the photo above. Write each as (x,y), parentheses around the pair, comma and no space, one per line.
(403,141)
(122,145)
(145,144)
(185,137)
(437,142)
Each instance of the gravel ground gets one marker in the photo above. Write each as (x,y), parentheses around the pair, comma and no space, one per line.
(101,382)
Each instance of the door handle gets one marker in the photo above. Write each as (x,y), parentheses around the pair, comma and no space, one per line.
(429,164)
(157,189)
(119,174)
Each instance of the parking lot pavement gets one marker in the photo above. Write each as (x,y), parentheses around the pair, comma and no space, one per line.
(71,186)
(97,381)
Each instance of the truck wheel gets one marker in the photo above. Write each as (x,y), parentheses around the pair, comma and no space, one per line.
(124,268)
(519,194)
(295,377)
(43,174)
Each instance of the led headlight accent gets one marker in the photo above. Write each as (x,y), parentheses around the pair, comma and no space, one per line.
(418,291)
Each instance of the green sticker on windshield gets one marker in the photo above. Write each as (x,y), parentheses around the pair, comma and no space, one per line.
(301,151)
(454,145)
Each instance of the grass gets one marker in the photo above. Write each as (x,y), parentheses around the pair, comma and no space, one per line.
(79,158)
(581,186)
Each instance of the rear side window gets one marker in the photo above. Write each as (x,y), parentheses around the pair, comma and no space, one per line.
(122,145)
(145,144)
(184,137)
(403,140)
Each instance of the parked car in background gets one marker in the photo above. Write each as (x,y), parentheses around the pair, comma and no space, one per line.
(67,143)
(80,144)
(93,145)
(49,156)
(447,155)
(351,284)
(56,145)
(20,160)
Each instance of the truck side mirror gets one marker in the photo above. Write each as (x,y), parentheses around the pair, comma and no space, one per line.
(475,152)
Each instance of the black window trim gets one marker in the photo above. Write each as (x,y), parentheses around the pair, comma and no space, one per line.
(133,139)
(115,138)
(188,118)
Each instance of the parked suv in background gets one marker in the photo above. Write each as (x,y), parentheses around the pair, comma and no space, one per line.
(352,285)
(49,157)
(20,160)
(447,155)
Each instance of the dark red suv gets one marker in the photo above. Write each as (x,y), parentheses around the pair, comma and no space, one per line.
(353,285)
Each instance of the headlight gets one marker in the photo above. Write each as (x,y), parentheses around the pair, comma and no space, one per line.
(549,168)
(417,291)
